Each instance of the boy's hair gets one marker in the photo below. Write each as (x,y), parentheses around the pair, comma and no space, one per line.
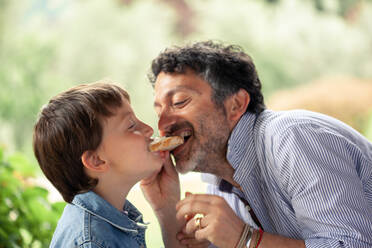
(227,68)
(69,125)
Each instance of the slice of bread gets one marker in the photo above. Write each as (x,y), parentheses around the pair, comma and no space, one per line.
(165,143)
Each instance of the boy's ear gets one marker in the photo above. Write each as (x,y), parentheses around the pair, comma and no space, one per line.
(236,105)
(92,162)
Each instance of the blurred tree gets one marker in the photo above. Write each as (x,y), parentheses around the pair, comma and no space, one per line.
(3,13)
(349,9)
(184,25)
(185,15)
(347,99)
(23,90)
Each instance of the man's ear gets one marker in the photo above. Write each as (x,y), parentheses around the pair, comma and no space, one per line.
(92,162)
(236,105)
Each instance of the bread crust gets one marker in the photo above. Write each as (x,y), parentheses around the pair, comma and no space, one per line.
(165,143)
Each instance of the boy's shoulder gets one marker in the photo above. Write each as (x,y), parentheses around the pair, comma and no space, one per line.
(85,227)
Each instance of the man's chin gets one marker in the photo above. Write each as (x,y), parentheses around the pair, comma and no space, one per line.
(185,167)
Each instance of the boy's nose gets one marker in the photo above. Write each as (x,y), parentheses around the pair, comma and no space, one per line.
(147,130)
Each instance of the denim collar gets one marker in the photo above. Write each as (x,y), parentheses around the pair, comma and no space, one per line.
(130,220)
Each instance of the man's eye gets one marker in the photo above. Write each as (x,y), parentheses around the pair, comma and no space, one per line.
(180,103)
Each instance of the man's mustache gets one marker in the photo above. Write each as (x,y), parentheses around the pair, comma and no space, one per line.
(177,126)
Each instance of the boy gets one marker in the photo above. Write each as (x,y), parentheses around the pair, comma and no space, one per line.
(93,149)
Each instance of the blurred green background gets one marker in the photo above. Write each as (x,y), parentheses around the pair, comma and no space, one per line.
(310,54)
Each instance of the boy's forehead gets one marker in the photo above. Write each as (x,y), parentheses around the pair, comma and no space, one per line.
(125,107)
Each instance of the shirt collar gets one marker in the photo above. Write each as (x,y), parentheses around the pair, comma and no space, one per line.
(241,151)
(130,220)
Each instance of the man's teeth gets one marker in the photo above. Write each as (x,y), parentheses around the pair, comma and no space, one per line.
(185,134)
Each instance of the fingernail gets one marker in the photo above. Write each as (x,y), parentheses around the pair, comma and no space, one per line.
(187,193)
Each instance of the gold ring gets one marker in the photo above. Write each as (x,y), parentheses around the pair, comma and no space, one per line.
(198,222)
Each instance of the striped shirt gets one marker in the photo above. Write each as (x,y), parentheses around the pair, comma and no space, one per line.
(305,175)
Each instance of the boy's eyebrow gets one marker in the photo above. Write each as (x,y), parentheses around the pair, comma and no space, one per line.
(125,115)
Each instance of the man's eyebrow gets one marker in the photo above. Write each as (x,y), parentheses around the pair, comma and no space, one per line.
(176,89)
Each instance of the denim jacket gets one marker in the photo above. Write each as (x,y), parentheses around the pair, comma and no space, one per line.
(91,222)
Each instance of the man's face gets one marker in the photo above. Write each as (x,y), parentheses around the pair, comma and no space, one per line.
(185,108)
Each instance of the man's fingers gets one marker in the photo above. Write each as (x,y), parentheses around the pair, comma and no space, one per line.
(207,198)
(149,180)
(202,234)
(168,165)
(190,241)
(193,243)
(204,244)
(192,225)
(192,208)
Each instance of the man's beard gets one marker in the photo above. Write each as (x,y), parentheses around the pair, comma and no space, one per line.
(206,156)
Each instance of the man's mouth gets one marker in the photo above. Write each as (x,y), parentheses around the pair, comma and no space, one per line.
(186,135)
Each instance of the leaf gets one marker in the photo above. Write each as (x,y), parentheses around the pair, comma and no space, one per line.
(1,154)
(35,192)
(22,165)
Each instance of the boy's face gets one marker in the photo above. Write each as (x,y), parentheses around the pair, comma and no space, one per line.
(124,146)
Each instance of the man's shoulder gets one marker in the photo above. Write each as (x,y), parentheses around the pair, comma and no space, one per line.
(282,120)
(278,123)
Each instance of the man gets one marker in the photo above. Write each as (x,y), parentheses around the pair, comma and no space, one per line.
(297,178)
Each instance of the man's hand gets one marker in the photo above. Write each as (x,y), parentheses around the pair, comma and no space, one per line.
(190,241)
(220,225)
(162,190)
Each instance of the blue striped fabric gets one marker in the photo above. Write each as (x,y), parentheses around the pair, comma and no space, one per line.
(306,176)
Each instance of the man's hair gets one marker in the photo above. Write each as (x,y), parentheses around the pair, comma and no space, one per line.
(70,124)
(225,67)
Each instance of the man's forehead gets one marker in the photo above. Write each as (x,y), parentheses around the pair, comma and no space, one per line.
(168,83)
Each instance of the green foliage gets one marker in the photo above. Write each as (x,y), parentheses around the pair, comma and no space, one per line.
(27,218)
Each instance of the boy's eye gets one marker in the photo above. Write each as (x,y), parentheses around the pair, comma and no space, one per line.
(132,124)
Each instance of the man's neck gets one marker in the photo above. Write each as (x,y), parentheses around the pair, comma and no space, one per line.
(225,171)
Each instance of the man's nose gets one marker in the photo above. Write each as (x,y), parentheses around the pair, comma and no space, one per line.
(166,120)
